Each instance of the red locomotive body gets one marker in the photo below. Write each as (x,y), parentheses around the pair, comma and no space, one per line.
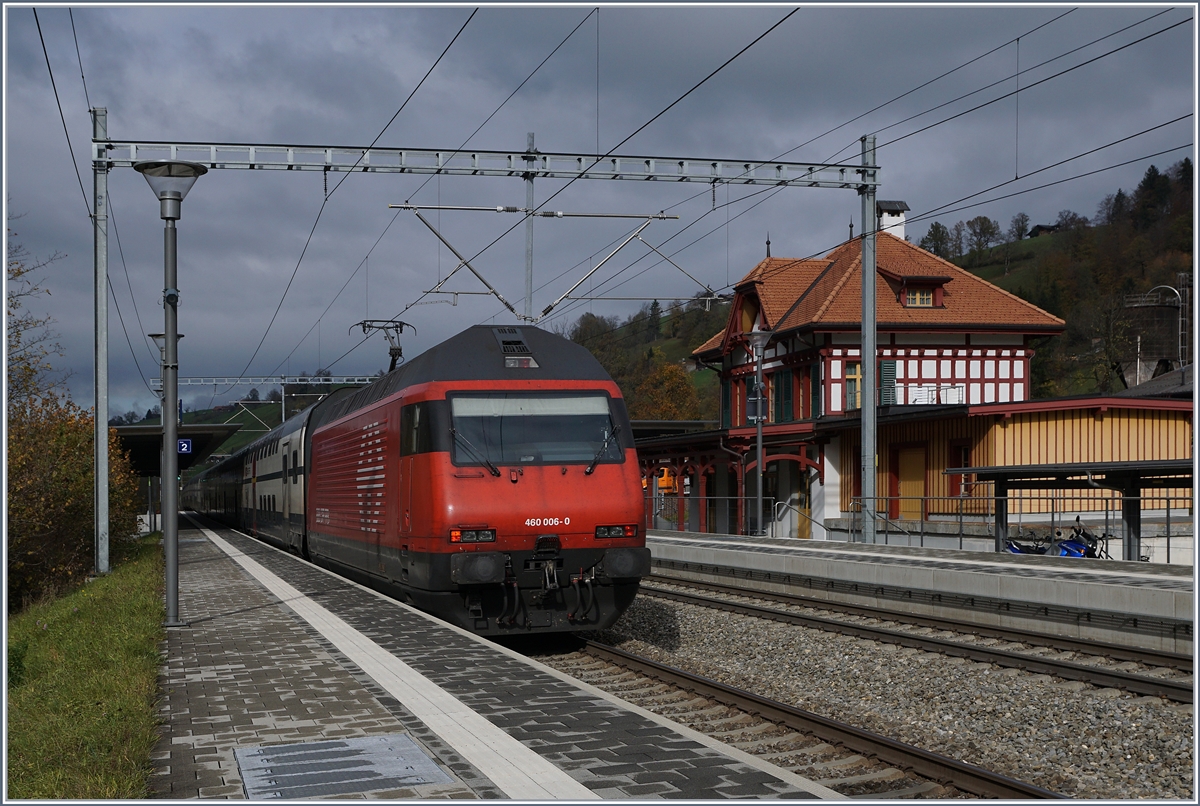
(492,481)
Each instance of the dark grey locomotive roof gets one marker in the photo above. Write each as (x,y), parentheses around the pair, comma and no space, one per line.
(476,354)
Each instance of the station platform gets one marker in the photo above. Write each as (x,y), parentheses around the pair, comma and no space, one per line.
(289,682)
(1128,603)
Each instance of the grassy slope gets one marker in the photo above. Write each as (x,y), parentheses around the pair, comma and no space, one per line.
(269,413)
(83,678)
(1023,257)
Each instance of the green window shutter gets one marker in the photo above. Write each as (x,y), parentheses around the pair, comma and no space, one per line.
(787,412)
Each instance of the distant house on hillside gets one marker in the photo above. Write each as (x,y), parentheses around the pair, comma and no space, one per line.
(1042,229)
(953,358)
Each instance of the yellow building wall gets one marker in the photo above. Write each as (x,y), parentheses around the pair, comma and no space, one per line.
(1032,438)
(1115,435)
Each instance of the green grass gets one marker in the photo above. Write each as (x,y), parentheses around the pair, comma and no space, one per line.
(1022,263)
(83,680)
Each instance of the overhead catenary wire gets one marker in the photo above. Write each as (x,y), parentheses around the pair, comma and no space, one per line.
(111,211)
(905,94)
(636,131)
(938,210)
(509,98)
(1034,84)
(79,178)
(325,201)
(1015,39)
(71,149)
(1043,80)
(772,272)
(993,50)
(1016,75)
(769,273)
(428,178)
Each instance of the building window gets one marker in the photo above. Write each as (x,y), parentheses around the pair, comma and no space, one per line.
(726,404)
(919,298)
(815,397)
(853,386)
(781,389)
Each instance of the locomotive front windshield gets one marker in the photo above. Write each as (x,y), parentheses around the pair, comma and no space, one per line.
(532,428)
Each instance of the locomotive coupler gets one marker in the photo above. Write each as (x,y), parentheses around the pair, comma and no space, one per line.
(549,575)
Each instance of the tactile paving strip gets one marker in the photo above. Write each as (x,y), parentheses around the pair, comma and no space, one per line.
(339,767)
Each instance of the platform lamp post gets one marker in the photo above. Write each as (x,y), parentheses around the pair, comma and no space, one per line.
(758,340)
(170,180)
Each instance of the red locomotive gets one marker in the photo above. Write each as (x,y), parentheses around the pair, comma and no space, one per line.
(491,481)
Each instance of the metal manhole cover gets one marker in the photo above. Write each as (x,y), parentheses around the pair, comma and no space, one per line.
(335,767)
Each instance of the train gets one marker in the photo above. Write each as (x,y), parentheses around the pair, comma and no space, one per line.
(492,481)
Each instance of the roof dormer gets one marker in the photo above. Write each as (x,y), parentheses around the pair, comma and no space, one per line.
(917,290)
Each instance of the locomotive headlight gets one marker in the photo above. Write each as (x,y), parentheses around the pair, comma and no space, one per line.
(617,531)
(472,535)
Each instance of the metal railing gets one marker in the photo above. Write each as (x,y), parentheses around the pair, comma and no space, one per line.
(1164,532)
(965,522)
(720,515)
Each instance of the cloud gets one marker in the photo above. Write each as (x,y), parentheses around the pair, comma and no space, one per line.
(335,76)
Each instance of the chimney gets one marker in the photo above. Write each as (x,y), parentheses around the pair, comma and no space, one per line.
(891,216)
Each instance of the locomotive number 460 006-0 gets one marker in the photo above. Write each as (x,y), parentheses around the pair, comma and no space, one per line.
(547,521)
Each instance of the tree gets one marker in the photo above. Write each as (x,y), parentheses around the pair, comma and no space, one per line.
(128,418)
(50,494)
(1019,227)
(252,395)
(653,321)
(29,338)
(957,236)
(666,393)
(50,480)
(982,233)
(1070,220)
(1151,200)
(937,240)
(274,396)
(1114,210)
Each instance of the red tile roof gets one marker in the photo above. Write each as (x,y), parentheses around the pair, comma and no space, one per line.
(826,294)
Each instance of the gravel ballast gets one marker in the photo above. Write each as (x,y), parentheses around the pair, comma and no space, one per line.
(1069,737)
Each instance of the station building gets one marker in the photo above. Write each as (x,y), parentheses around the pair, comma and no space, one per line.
(954,356)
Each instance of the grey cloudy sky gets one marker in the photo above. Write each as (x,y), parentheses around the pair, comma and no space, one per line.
(335,76)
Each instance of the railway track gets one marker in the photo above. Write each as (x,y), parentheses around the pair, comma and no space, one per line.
(847,759)
(1148,673)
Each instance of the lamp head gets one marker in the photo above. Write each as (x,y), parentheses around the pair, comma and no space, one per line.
(160,340)
(170,180)
(758,339)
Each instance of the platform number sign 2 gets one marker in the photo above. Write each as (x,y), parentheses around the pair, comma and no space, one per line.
(185,446)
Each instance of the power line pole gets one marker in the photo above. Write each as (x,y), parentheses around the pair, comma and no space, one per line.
(870,459)
(100,262)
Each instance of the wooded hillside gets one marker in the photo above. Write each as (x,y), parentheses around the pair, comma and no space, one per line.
(1084,270)
(1086,273)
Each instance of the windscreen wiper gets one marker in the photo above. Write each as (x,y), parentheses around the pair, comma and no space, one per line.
(603,447)
(495,471)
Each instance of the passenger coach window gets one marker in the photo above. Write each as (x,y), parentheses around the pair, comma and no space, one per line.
(415,432)
(531,428)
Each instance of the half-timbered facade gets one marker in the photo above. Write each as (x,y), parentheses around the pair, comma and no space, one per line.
(953,366)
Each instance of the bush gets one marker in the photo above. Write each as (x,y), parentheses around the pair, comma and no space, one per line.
(50,498)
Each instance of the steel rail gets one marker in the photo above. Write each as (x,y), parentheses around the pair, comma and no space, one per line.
(934,766)
(1136,684)
(1115,651)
